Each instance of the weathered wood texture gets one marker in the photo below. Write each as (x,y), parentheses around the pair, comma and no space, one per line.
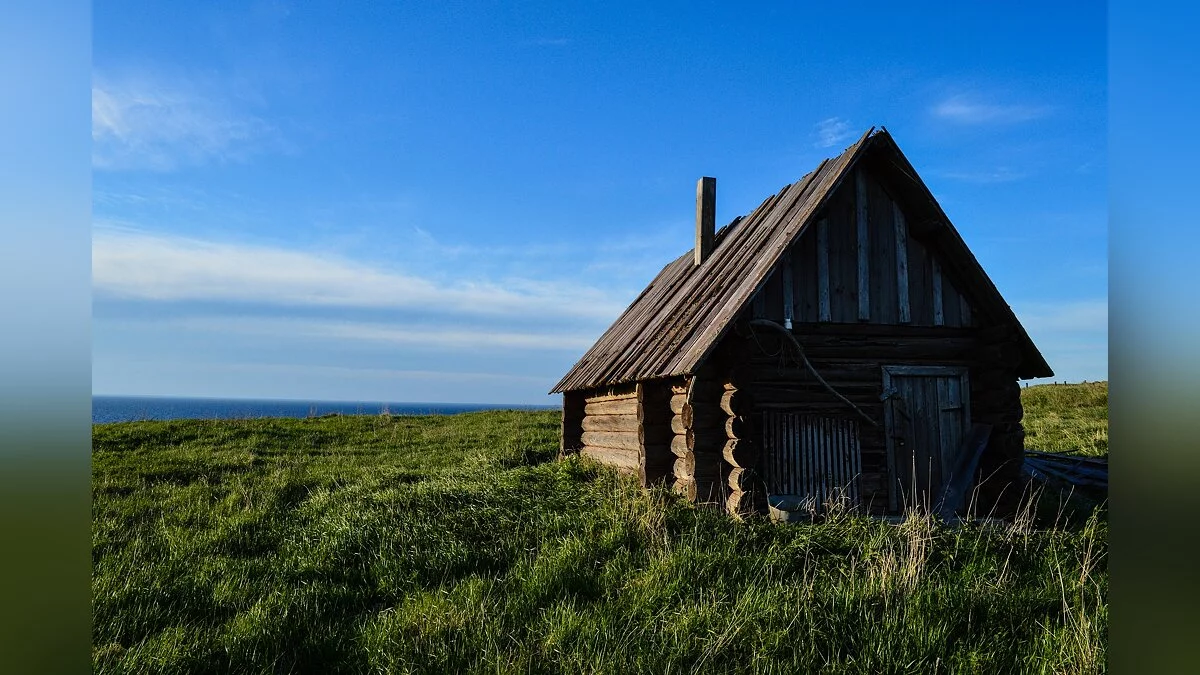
(672,327)
(625,440)
(696,464)
(706,212)
(866,267)
(674,324)
(626,406)
(699,491)
(744,503)
(679,446)
(678,402)
(627,427)
(850,357)
(698,467)
(737,427)
(611,423)
(620,458)
(864,262)
(741,453)
(654,433)
(714,443)
(743,479)
(735,403)
(863,244)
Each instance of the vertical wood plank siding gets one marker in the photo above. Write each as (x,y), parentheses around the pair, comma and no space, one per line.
(789,287)
(831,282)
(823,269)
(864,245)
(939,317)
(901,263)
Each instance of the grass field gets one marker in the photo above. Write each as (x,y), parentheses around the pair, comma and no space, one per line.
(459,544)
(1067,418)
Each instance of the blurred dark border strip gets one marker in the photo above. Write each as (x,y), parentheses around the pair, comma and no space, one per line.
(45,341)
(1154,317)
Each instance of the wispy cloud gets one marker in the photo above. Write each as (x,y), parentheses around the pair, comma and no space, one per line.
(1065,317)
(399,334)
(621,264)
(975,110)
(152,123)
(999,175)
(832,131)
(133,264)
(387,373)
(1072,335)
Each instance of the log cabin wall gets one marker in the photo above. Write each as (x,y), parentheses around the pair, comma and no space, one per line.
(746,491)
(697,450)
(626,426)
(655,431)
(851,359)
(610,427)
(859,264)
(861,290)
(715,451)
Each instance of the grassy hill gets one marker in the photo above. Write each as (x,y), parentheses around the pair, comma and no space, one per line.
(1067,418)
(458,544)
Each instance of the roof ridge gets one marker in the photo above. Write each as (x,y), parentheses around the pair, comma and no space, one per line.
(680,317)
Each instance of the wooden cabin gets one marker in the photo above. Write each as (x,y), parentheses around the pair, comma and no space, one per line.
(839,343)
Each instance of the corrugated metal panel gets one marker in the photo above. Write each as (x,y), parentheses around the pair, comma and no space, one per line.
(812,459)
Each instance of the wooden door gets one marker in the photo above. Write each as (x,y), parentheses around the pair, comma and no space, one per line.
(927,416)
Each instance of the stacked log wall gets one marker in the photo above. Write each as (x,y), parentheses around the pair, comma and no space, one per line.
(747,493)
(625,426)
(699,438)
(654,432)
(699,433)
(610,428)
(850,358)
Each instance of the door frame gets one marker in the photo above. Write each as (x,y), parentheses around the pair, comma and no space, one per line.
(889,415)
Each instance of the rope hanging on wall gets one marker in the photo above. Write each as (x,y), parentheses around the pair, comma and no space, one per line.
(767,323)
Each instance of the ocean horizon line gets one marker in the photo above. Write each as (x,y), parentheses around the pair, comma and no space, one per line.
(109,408)
(183,397)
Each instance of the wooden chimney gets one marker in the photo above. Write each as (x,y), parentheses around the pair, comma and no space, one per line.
(706,217)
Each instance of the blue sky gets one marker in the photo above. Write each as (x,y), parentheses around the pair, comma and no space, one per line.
(450,202)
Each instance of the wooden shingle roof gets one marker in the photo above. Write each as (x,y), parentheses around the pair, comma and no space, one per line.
(681,316)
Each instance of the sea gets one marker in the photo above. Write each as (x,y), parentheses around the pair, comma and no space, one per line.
(107,409)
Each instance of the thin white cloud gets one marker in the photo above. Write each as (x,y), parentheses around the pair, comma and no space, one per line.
(832,131)
(1071,335)
(973,110)
(1066,317)
(437,376)
(390,333)
(999,175)
(140,265)
(146,123)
